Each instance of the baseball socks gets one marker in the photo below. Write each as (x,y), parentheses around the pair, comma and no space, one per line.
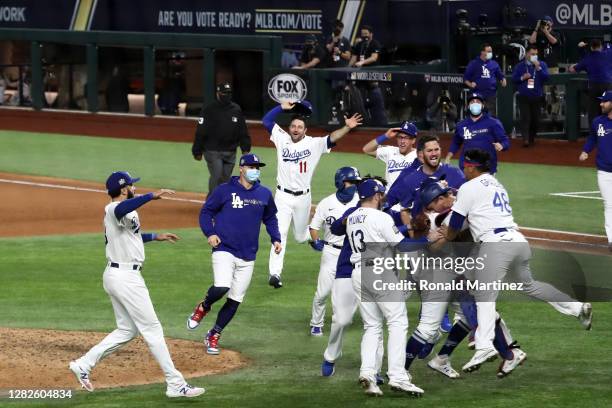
(457,333)
(413,347)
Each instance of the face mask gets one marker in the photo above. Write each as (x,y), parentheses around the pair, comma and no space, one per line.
(533,58)
(337,31)
(252,175)
(225,98)
(489,55)
(365,38)
(130,193)
(475,109)
(346,194)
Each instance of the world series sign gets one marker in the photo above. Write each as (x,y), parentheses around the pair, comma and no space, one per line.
(287,87)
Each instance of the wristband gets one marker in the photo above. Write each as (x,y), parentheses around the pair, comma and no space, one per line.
(381,139)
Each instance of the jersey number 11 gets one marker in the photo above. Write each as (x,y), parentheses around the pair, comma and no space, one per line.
(303,167)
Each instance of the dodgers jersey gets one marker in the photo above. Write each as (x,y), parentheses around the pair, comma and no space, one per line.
(328,211)
(395,162)
(297,161)
(123,240)
(367,225)
(601,137)
(485,203)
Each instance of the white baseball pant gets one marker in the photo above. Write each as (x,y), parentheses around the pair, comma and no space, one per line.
(290,208)
(325,282)
(512,258)
(373,314)
(231,272)
(134,314)
(604,179)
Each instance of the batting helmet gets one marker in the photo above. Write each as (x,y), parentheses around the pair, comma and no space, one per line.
(431,189)
(346,174)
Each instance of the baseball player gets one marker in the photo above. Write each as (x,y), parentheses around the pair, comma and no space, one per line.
(480,131)
(297,156)
(601,136)
(396,158)
(485,203)
(126,288)
(329,209)
(231,218)
(367,224)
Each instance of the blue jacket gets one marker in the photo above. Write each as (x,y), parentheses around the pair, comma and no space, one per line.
(601,136)
(539,77)
(485,74)
(598,65)
(344,267)
(479,134)
(235,214)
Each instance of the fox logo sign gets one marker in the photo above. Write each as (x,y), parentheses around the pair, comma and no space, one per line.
(287,87)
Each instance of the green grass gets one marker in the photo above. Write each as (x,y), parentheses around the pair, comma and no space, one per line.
(166,164)
(56,282)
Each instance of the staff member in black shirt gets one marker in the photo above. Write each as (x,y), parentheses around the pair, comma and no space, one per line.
(338,47)
(548,43)
(312,54)
(221,129)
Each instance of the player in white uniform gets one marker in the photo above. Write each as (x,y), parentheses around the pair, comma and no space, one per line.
(485,203)
(127,290)
(367,225)
(396,158)
(297,157)
(329,210)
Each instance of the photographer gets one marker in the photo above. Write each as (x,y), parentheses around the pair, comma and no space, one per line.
(481,76)
(312,54)
(548,43)
(442,112)
(338,47)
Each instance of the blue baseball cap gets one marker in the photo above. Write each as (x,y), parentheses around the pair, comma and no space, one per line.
(119,179)
(606,96)
(431,189)
(303,108)
(475,95)
(369,187)
(409,129)
(250,159)
(548,18)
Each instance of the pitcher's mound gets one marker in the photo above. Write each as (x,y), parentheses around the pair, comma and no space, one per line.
(38,359)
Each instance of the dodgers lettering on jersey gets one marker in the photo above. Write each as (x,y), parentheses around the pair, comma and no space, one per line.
(368,225)
(123,240)
(486,204)
(297,161)
(601,137)
(328,211)
(395,162)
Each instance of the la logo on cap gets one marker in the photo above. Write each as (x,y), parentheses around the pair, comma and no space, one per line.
(121,182)
(255,158)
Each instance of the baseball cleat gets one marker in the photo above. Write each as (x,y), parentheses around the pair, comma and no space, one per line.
(194,319)
(187,391)
(507,366)
(406,387)
(211,342)
(586,316)
(327,369)
(82,376)
(316,331)
(370,387)
(275,281)
(479,358)
(443,366)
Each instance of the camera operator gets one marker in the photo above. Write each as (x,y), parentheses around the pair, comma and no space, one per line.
(482,74)
(598,65)
(313,54)
(338,47)
(442,112)
(366,52)
(548,43)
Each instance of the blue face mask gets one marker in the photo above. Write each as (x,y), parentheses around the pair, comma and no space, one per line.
(252,175)
(346,194)
(475,109)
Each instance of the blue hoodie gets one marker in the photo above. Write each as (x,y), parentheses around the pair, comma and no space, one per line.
(235,214)
(601,136)
(485,74)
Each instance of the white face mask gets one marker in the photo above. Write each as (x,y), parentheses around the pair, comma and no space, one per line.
(489,55)
(533,58)
(252,175)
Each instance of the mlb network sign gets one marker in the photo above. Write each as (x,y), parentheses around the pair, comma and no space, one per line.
(588,14)
(287,87)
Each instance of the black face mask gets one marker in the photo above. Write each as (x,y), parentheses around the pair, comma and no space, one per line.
(337,31)
(365,38)
(225,97)
(130,194)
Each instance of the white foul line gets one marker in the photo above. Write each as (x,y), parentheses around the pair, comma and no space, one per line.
(91,190)
(578,194)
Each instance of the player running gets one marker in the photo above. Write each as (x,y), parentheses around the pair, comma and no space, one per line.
(126,288)
(297,156)
(231,218)
(330,209)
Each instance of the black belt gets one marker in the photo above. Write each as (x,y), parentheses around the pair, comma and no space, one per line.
(295,193)
(333,245)
(134,267)
(498,230)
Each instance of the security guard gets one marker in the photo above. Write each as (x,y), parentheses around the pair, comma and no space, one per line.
(221,129)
